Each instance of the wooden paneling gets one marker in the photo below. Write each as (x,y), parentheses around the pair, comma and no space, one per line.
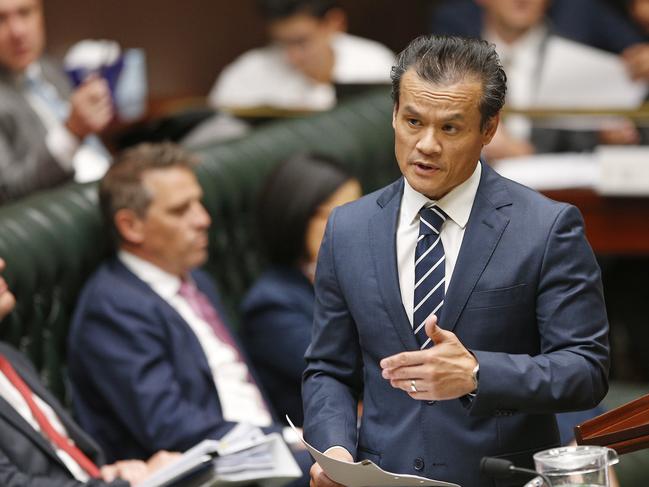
(188,42)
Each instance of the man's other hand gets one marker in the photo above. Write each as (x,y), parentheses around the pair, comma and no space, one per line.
(319,478)
(91,107)
(444,371)
(162,459)
(133,471)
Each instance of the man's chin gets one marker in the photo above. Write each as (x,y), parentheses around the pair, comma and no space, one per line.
(423,185)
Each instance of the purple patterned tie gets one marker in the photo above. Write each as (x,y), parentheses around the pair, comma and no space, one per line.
(204,310)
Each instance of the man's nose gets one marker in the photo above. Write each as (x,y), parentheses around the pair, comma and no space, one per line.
(428,143)
(16,27)
(201,217)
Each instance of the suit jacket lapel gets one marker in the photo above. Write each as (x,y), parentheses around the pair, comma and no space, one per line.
(80,438)
(82,441)
(12,417)
(119,268)
(484,230)
(383,247)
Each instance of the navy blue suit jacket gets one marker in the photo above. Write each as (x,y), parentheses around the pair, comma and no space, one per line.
(525,297)
(141,379)
(277,322)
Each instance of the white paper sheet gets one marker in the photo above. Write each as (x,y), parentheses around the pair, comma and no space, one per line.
(579,76)
(366,473)
(551,171)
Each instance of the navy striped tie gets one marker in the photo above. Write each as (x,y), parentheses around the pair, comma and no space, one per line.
(430,271)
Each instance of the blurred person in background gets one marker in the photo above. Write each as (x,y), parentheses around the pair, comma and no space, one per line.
(525,41)
(44,124)
(150,354)
(637,55)
(593,22)
(308,54)
(293,208)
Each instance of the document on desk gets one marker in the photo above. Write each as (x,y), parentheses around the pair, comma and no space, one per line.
(366,473)
(245,455)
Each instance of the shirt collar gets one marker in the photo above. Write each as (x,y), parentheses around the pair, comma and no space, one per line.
(163,283)
(530,42)
(456,204)
(32,72)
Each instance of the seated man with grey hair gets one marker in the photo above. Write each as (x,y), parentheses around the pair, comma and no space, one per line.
(151,358)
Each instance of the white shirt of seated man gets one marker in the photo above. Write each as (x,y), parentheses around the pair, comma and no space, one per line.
(240,398)
(264,77)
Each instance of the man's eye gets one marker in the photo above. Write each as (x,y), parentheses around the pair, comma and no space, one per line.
(413,122)
(449,128)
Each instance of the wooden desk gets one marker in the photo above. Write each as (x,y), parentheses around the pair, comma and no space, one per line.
(613,225)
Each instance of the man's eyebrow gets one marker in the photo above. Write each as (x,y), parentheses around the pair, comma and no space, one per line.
(454,116)
(411,110)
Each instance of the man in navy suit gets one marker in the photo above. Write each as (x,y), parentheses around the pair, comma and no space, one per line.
(461,308)
(150,358)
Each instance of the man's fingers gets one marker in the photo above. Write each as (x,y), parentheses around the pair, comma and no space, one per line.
(435,333)
(409,385)
(403,359)
(108,473)
(407,373)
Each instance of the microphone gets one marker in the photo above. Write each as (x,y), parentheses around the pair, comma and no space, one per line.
(501,468)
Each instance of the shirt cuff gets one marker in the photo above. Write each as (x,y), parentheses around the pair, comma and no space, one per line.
(63,145)
(290,436)
(334,448)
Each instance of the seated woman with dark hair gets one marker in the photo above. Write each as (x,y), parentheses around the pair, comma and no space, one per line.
(293,209)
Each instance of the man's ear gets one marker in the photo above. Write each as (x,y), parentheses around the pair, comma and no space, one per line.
(129,226)
(394,115)
(490,129)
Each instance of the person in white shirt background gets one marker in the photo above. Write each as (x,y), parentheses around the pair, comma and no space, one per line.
(521,33)
(309,52)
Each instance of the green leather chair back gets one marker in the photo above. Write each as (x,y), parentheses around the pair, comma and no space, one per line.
(54,240)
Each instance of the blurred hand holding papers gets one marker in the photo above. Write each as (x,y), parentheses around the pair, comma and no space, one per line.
(366,473)
(579,77)
(245,455)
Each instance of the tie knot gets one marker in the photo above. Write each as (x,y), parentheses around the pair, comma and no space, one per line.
(431,220)
(187,289)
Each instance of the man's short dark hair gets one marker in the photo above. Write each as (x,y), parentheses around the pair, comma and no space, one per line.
(281,9)
(447,60)
(289,198)
(121,187)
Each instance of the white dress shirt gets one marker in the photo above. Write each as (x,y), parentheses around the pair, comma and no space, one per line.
(522,62)
(240,398)
(457,205)
(263,76)
(15,399)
